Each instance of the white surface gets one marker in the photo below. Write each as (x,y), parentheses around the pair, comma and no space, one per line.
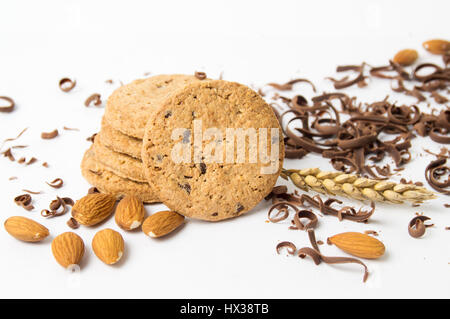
(250,42)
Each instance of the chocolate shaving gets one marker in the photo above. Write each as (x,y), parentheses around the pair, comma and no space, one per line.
(281,189)
(24,201)
(290,84)
(371,232)
(345,82)
(70,129)
(307,214)
(91,138)
(93,99)
(290,247)
(434,171)
(9,155)
(66,84)
(56,183)
(57,207)
(49,135)
(417,227)
(15,138)
(317,257)
(439,98)
(200,75)
(68,201)
(93,190)
(45,164)
(281,203)
(282,211)
(31,192)
(31,161)
(9,104)
(318,129)
(72,223)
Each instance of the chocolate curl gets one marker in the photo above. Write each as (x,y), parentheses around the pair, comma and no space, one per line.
(49,135)
(417,227)
(56,183)
(10,104)
(317,257)
(289,85)
(24,201)
(291,249)
(433,171)
(66,84)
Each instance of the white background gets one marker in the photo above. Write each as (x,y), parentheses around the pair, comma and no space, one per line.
(253,42)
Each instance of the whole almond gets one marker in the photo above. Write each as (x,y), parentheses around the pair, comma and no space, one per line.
(25,229)
(406,57)
(162,223)
(129,213)
(93,208)
(437,46)
(68,249)
(108,246)
(358,244)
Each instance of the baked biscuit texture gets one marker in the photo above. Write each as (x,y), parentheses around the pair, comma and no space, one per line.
(209,186)
(118,141)
(129,107)
(106,181)
(120,164)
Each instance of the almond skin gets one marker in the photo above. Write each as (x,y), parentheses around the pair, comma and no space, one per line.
(437,46)
(162,223)
(93,208)
(129,213)
(406,57)
(108,246)
(68,249)
(25,229)
(358,244)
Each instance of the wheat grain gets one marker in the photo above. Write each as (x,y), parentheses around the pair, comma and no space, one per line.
(356,187)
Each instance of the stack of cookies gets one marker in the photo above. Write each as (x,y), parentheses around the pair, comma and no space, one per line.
(133,152)
(113,163)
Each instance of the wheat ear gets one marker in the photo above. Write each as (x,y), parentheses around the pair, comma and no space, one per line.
(356,187)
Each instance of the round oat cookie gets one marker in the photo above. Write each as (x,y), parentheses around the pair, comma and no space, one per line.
(120,164)
(106,181)
(118,141)
(207,188)
(129,107)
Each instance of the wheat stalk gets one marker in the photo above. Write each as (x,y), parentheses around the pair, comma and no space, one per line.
(356,187)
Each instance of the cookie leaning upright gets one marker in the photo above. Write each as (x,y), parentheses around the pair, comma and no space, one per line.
(204,183)
(129,107)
